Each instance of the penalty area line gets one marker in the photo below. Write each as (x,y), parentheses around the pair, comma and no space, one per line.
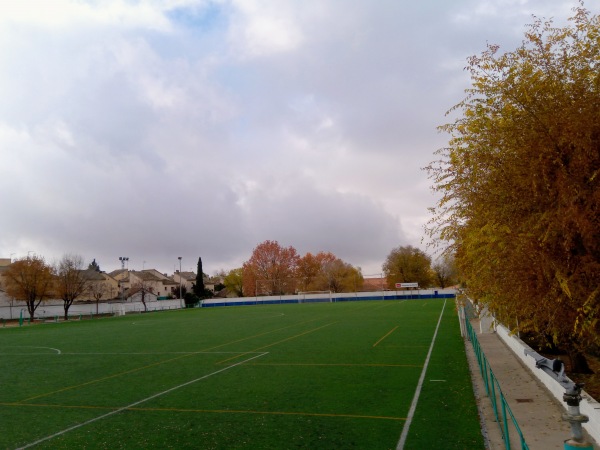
(124,408)
(413,406)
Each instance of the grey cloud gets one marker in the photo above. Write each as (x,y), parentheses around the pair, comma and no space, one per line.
(174,139)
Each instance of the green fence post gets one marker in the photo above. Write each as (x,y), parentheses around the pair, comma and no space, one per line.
(505,422)
(21,318)
(494,398)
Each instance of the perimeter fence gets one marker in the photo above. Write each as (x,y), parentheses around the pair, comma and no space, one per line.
(502,412)
(332,297)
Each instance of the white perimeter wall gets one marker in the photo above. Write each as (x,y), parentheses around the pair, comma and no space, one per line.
(375,295)
(51,308)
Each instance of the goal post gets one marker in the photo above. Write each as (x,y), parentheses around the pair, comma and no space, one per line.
(314,297)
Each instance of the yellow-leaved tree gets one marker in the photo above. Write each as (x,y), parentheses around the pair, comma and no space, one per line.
(519,204)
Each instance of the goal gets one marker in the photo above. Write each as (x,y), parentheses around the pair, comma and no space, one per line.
(314,297)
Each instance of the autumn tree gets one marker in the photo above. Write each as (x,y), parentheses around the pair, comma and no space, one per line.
(407,264)
(271,270)
(29,280)
(310,271)
(234,282)
(326,272)
(339,276)
(518,183)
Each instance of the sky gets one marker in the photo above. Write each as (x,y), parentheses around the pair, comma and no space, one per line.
(200,128)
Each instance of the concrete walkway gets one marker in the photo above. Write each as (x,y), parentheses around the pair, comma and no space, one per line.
(536,411)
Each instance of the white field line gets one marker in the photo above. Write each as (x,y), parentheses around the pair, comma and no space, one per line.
(58,352)
(413,406)
(123,353)
(162,353)
(103,416)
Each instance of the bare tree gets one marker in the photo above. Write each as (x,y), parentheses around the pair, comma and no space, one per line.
(445,271)
(71,280)
(96,288)
(142,288)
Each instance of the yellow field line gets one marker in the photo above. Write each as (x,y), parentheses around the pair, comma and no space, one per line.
(279,413)
(216,411)
(137,369)
(341,364)
(388,333)
(275,343)
(257,335)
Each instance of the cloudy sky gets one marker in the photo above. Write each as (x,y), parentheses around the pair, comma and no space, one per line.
(166,128)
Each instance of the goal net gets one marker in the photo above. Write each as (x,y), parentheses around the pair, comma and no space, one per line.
(314,297)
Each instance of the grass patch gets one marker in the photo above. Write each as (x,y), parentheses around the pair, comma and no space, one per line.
(323,375)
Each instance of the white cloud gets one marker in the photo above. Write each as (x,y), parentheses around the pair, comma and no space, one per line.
(262,28)
(60,14)
(157,129)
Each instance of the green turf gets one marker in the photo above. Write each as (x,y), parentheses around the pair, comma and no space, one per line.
(318,376)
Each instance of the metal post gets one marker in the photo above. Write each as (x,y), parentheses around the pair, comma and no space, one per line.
(505,423)
(572,397)
(180,304)
(123,259)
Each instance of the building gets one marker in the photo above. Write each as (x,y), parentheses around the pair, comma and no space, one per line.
(101,286)
(187,279)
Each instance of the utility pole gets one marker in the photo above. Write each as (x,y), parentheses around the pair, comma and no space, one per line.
(180,304)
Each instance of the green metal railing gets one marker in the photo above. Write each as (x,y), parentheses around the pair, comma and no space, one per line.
(502,412)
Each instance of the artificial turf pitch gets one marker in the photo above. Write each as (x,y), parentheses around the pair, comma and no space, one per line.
(318,376)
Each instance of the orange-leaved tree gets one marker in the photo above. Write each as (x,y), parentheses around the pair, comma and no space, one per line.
(326,272)
(271,270)
(310,270)
(29,280)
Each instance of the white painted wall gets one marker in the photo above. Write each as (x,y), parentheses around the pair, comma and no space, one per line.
(51,308)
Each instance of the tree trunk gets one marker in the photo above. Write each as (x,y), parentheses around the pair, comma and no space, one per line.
(66,306)
(579,362)
(31,309)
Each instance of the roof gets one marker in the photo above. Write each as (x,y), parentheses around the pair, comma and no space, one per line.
(94,275)
(145,275)
(189,276)
(116,273)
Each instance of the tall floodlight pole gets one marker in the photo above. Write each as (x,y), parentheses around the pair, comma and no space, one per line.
(123,260)
(179,258)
